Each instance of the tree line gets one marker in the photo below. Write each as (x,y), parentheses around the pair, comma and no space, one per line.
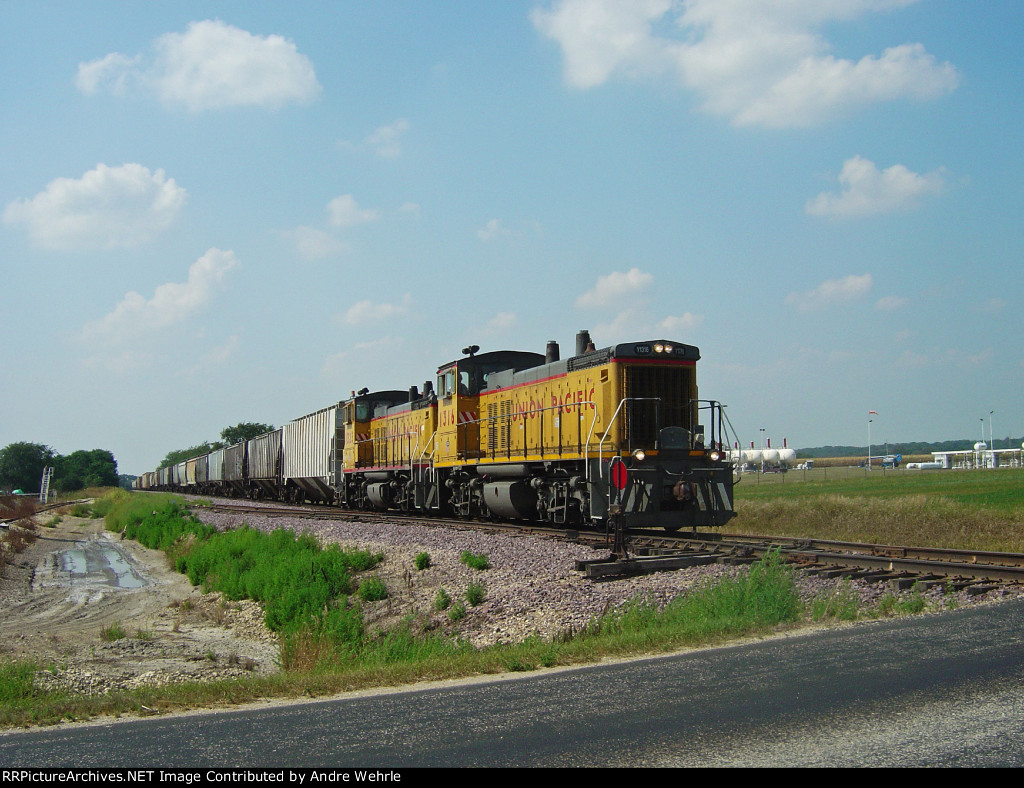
(22,463)
(906,447)
(229,436)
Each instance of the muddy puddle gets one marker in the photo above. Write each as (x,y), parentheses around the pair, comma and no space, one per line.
(92,564)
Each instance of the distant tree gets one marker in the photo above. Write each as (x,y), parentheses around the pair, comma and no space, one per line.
(21,465)
(126,480)
(180,455)
(229,437)
(82,469)
(244,431)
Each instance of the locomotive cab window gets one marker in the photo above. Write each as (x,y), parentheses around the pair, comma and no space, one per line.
(446,383)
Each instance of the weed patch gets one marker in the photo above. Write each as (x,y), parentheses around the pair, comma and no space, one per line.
(474,561)
(475,593)
(761,598)
(372,589)
(842,604)
(16,681)
(457,612)
(442,601)
(114,632)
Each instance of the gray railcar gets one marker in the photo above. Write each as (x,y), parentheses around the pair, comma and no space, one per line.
(264,458)
(215,472)
(311,455)
(233,468)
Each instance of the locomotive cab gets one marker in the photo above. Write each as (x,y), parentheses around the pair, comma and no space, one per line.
(459,384)
(357,416)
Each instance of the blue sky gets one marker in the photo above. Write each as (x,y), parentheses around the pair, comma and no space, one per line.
(242,211)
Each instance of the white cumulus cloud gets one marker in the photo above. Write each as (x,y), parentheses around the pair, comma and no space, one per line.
(107,207)
(210,66)
(115,72)
(493,229)
(628,295)
(758,62)
(890,303)
(216,356)
(172,303)
(315,244)
(616,288)
(369,312)
(344,211)
(684,322)
(386,141)
(834,291)
(866,190)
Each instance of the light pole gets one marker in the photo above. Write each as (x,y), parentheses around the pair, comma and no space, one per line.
(991,442)
(870,414)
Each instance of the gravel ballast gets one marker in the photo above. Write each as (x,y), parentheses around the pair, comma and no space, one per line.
(532,587)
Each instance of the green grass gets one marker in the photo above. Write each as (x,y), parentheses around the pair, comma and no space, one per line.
(16,682)
(114,632)
(302,586)
(422,561)
(442,601)
(457,612)
(475,594)
(842,604)
(977,510)
(474,561)
(756,600)
(372,589)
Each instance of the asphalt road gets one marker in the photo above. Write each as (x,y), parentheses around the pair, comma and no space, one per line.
(927,691)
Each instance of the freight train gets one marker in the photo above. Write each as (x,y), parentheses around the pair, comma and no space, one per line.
(611,432)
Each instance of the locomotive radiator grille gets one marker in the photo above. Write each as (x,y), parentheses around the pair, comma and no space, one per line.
(499,418)
(671,385)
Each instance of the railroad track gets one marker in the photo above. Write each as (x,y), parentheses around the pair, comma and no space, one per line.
(6,521)
(900,566)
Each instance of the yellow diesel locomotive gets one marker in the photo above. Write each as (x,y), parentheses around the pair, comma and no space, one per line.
(516,435)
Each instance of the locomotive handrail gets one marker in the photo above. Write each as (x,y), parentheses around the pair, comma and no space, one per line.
(524,413)
(424,455)
(600,445)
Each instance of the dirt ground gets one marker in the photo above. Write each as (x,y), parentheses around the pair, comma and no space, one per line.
(65,597)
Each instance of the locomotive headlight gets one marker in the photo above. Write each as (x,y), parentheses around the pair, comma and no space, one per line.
(639,455)
(715,456)
(668,348)
(659,348)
